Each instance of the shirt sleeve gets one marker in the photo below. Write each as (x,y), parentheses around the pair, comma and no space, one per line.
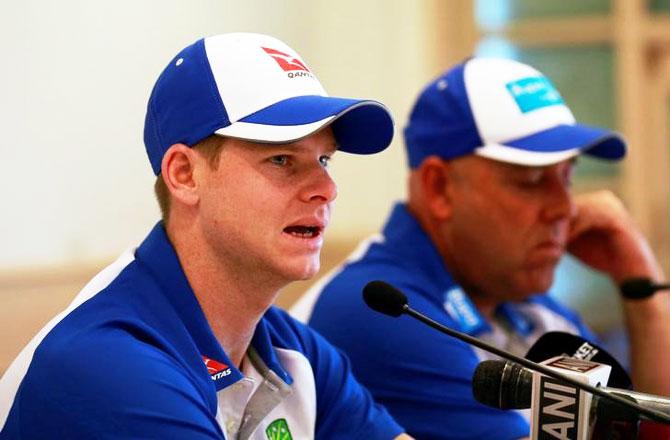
(106,388)
(423,377)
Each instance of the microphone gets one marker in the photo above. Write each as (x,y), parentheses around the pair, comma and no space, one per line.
(557,411)
(504,385)
(553,344)
(640,288)
(384,298)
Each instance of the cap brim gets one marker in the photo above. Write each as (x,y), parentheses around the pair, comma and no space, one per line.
(359,126)
(557,144)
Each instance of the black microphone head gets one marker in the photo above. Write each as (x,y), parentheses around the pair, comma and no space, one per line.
(384,298)
(639,288)
(486,382)
(560,343)
(503,385)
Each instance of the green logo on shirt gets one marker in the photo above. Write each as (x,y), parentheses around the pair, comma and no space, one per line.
(278,430)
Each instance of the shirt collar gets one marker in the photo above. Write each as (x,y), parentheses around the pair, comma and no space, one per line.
(406,237)
(158,255)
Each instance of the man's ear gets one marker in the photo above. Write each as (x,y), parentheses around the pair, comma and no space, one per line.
(177,168)
(435,181)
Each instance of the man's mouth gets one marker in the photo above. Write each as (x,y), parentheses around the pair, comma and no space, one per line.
(301,231)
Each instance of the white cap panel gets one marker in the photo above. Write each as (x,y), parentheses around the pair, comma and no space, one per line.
(498,113)
(271,83)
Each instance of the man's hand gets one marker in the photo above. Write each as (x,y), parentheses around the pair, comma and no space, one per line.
(604,236)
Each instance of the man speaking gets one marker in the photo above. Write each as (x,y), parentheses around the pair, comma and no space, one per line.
(178,338)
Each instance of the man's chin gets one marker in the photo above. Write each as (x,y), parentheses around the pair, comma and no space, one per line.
(538,283)
(530,282)
(305,271)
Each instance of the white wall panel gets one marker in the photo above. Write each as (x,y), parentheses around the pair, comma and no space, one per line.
(75,76)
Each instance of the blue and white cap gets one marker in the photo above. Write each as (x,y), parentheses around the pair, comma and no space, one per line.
(502,110)
(253,87)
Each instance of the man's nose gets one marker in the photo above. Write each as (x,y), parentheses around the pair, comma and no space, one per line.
(320,186)
(559,204)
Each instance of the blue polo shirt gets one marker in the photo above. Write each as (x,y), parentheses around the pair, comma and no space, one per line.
(134,357)
(423,377)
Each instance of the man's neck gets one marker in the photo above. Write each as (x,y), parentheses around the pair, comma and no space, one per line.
(233,304)
(485,304)
(485,307)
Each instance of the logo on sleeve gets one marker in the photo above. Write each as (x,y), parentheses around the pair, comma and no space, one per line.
(216,370)
(288,63)
(461,309)
(278,430)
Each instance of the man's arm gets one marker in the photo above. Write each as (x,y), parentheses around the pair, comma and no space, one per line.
(605,237)
(106,385)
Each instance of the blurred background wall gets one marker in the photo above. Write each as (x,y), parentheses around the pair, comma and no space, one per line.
(76,74)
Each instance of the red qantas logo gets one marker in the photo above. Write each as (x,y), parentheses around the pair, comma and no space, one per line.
(286,61)
(216,369)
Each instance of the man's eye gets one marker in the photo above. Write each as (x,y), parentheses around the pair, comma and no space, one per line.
(568,177)
(532,179)
(324,160)
(279,160)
